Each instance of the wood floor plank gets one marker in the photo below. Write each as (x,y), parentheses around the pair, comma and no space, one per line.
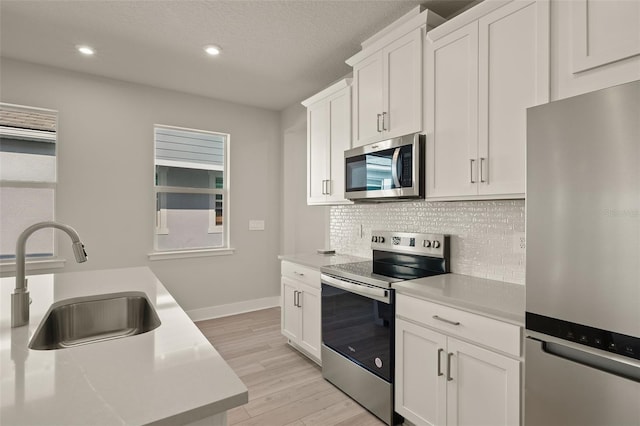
(292,412)
(362,419)
(236,415)
(290,395)
(285,387)
(333,414)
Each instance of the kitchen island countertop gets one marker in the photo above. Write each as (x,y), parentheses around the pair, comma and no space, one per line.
(171,375)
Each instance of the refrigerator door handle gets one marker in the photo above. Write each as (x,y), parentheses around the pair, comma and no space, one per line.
(604,363)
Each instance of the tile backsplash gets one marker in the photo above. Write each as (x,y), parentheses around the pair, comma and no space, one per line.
(484,234)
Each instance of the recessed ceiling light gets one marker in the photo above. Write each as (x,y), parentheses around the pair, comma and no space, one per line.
(212,50)
(85,50)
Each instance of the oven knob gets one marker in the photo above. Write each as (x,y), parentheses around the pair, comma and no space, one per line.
(381,239)
(374,239)
(426,243)
(436,244)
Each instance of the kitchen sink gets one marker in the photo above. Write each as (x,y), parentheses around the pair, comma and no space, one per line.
(91,319)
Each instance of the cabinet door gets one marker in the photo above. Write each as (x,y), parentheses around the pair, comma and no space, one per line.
(452,114)
(367,100)
(604,32)
(595,44)
(402,87)
(317,151)
(484,388)
(290,312)
(420,388)
(513,76)
(340,135)
(310,321)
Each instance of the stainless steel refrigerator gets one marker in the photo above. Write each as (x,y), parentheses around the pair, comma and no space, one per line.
(582,350)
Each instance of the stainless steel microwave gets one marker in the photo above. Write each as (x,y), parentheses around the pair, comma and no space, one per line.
(386,170)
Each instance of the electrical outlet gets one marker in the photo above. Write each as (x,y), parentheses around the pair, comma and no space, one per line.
(256,225)
(519,242)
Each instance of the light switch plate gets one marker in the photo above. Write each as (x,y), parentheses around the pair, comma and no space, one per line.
(519,242)
(256,225)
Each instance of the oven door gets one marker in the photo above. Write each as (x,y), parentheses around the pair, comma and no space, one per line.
(358,323)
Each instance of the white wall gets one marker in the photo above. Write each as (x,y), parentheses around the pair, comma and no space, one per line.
(108,196)
(305,228)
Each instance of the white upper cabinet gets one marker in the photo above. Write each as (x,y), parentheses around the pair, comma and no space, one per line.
(328,136)
(387,80)
(513,76)
(452,113)
(367,100)
(484,68)
(595,44)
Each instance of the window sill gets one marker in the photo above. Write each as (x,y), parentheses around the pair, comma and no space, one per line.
(8,269)
(186,254)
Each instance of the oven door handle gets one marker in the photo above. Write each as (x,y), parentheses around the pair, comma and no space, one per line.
(372,293)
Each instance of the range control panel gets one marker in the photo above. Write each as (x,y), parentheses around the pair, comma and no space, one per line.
(435,245)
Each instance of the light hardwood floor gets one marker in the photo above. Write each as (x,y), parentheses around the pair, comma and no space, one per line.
(285,387)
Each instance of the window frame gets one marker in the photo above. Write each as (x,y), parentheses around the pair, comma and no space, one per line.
(160,222)
(43,263)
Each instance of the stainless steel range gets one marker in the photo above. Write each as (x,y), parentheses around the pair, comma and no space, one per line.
(358,314)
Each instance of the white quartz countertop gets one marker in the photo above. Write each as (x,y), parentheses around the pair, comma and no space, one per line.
(171,375)
(496,299)
(317,260)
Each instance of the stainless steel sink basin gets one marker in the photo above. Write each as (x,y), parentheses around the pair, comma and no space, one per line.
(91,319)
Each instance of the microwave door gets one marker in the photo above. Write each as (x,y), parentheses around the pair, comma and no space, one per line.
(394,168)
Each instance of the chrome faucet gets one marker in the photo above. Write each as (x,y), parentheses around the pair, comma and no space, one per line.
(20,297)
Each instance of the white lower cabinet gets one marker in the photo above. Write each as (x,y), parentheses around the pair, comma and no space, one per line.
(442,380)
(301,308)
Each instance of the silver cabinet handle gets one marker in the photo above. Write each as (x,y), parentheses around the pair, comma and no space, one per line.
(449,378)
(435,317)
(328,186)
(384,127)
(300,274)
(299,300)
(471,170)
(378,123)
(439,367)
(482,179)
(295,297)
(324,187)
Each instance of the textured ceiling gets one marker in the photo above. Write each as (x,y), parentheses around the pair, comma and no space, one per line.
(275,53)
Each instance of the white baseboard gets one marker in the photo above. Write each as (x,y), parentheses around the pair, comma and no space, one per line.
(233,308)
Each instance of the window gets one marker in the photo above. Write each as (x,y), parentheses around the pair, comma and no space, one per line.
(27,178)
(191,188)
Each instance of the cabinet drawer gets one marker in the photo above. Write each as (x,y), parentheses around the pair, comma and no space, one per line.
(305,274)
(477,328)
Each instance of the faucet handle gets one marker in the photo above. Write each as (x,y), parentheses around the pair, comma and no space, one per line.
(20,308)
(79,252)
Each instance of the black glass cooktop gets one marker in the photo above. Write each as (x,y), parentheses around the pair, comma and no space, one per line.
(388,268)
